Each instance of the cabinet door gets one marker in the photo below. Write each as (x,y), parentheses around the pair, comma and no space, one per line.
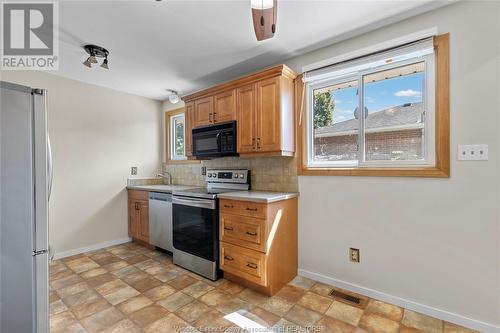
(133,218)
(246,118)
(225,106)
(203,111)
(188,119)
(268,115)
(144,220)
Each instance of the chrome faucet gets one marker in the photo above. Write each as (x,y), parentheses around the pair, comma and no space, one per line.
(167,177)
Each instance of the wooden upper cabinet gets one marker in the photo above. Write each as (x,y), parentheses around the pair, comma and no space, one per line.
(188,119)
(268,115)
(265,117)
(246,118)
(263,106)
(203,111)
(224,106)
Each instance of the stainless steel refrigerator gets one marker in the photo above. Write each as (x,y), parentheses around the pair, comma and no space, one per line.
(25,183)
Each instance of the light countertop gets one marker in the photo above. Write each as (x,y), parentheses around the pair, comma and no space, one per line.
(159,188)
(258,196)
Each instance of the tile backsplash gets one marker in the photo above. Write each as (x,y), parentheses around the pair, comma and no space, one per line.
(267,173)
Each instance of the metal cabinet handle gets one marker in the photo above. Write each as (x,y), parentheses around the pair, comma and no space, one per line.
(252,265)
(254,146)
(214,116)
(228,206)
(210,117)
(251,209)
(251,233)
(228,258)
(228,228)
(258,143)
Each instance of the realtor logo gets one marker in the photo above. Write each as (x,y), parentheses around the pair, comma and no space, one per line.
(29,35)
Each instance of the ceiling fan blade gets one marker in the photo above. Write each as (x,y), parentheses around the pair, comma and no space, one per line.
(264,21)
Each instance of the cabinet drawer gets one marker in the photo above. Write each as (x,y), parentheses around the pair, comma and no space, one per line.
(245,231)
(139,195)
(245,208)
(245,263)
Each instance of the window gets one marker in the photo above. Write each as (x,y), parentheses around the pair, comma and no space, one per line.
(379,113)
(175,135)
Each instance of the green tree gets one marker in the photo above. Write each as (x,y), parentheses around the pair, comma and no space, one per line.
(323,109)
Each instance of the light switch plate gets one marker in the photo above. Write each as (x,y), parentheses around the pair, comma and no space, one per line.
(473,152)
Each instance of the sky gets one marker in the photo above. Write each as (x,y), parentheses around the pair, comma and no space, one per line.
(379,96)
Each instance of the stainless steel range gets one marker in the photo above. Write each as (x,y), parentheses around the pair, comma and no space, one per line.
(196,221)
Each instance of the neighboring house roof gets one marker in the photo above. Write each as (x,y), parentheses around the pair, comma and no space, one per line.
(402,117)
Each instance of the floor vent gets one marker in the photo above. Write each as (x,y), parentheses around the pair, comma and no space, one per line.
(349,298)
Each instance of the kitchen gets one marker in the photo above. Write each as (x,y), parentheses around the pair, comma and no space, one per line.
(224,180)
(253,224)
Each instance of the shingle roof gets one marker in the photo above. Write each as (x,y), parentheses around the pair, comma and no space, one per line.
(404,116)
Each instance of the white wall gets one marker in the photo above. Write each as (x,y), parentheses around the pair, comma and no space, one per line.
(97,134)
(431,241)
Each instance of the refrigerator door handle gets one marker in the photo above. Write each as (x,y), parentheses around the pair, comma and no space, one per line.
(41,166)
(50,170)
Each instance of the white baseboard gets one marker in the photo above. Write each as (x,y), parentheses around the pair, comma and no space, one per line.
(98,246)
(404,303)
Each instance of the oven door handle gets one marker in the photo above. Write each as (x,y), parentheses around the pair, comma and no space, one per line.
(194,202)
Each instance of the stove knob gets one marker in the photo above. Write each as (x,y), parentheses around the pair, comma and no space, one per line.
(214,175)
(236,175)
(209,175)
(242,175)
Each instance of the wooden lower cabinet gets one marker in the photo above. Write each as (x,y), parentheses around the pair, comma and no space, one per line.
(138,215)
(258,243)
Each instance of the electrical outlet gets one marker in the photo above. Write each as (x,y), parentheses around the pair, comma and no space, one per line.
(473,152)
(133,171)
(203,171)
(353,254)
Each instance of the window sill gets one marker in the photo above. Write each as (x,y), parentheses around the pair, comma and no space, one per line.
(433,172)
(187,161)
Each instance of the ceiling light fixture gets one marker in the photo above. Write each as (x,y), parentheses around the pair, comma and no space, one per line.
(105,63)
(93,59)
(173,97)
(87,63)
(264,15)
(95,52)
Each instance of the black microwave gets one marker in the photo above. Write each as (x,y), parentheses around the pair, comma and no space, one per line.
(215,140)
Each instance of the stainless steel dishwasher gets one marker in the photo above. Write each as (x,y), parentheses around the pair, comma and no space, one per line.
(160,220)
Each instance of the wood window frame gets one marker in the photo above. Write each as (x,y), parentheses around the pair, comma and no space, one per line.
(168,115)
(441,169)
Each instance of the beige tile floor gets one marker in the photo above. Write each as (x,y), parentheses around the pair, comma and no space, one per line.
(129,288)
